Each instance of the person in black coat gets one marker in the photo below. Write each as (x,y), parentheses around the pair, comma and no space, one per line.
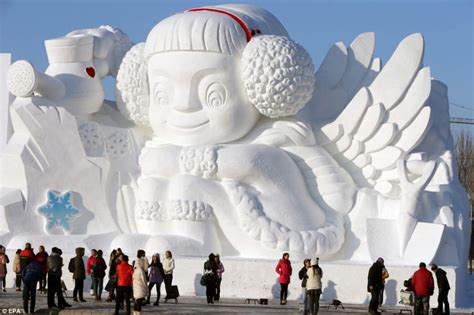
(55,265)
(303,277)
(78,270)
(443,289)
(210,275)
(375,284)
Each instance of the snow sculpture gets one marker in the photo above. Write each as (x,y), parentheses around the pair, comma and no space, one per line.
(225,139)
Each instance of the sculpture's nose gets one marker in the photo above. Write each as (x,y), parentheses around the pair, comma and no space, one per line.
(186,101)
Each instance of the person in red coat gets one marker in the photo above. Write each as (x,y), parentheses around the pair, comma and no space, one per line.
(283,268)
(91,262)
(26,256)
(423,287)
(124,284)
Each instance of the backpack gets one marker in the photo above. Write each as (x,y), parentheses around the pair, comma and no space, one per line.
(70,267)
(32,273)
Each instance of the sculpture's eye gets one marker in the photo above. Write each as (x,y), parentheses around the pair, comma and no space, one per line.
(215,95)
(90,71)
(160,95)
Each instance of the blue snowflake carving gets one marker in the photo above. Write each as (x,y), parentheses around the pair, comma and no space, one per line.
(58,211)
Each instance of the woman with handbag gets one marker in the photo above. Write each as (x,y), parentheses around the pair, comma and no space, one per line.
(210,278)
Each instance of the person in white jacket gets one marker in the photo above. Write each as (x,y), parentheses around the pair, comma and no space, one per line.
(314,285)
(140,286)
(168,267)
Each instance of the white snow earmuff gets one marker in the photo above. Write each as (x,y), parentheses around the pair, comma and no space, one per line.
(278,75)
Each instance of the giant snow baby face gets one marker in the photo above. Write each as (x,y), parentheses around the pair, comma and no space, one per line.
(196,98)
(211,73)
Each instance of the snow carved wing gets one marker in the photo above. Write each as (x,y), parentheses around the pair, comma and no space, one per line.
(386,118)
(342,73)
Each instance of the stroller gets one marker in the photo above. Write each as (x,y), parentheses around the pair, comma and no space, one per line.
(407,297)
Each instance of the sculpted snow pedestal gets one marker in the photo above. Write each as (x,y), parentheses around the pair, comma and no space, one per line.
(227,140)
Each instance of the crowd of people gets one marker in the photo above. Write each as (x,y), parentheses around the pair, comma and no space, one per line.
(135,282)
(127,282)
(421,285)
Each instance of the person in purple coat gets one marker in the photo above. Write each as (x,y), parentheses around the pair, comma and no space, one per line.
(156,275)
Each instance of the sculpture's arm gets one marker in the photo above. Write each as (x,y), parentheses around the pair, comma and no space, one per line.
(24,80)
(279,183)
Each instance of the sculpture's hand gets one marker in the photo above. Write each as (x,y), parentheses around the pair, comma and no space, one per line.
(160,160)
(410,191)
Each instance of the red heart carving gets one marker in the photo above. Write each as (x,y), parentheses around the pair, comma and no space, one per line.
(90,71)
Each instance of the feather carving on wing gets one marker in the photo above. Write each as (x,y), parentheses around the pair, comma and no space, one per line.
(367,117)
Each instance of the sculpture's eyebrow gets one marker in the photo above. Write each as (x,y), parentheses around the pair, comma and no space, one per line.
(205,72)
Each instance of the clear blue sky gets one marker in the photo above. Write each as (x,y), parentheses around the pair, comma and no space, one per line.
(446,25)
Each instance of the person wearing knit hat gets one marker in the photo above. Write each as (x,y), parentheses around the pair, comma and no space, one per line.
(314,285)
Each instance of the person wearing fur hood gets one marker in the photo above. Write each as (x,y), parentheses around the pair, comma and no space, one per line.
(140,286)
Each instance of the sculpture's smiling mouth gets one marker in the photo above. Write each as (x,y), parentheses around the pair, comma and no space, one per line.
(187,121)
(188,126)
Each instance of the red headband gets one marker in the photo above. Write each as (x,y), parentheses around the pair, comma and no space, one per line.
(248,33)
